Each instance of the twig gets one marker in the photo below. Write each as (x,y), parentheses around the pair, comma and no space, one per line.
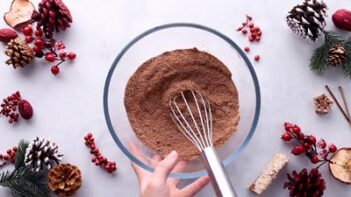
(345,103)
(337,103)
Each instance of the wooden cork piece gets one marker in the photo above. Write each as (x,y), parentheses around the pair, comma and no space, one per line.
(269,173)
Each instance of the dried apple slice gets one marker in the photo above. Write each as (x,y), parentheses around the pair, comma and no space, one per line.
(20,14)
(341,166)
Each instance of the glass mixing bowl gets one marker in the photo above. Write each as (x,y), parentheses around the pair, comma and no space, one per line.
(169,37)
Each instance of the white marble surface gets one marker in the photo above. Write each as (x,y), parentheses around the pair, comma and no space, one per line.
(68,106)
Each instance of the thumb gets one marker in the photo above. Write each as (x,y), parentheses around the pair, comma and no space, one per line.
(164,167)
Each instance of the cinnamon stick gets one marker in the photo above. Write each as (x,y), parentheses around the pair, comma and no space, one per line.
(337,103)
(345,103)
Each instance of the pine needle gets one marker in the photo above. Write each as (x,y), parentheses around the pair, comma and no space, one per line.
(21,151)
(25,183)
(318,62)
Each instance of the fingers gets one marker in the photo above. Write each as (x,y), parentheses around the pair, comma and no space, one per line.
(138,171)
(155,160)
(195,186)
(136,152)
(177,169)
(165,166)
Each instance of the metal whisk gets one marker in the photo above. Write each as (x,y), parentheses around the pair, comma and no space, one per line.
(192,114)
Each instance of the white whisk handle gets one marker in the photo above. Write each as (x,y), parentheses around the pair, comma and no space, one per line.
(218,177)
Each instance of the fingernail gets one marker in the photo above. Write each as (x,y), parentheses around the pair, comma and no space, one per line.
(173,154)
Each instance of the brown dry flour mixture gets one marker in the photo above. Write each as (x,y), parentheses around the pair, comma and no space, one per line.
(159,79)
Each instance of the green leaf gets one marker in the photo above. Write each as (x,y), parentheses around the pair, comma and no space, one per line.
(21,151)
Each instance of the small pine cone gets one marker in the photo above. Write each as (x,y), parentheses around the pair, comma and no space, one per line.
(19,52)
(42,154)
(305,184)
(308,20)
(52,15)
(64,179)
(336,55)
(322,104)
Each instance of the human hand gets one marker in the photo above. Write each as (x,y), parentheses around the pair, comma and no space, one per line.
(158,184)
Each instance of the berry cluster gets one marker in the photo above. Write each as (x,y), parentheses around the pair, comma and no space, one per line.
(9,107)
(254,33)
(50,48)
(98,158)
(316,151)
(8,157)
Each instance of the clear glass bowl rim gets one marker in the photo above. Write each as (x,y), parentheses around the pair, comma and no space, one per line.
(125,150)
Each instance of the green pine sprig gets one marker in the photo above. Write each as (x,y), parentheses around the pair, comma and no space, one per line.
(21,151)
(25,183)
(318,62)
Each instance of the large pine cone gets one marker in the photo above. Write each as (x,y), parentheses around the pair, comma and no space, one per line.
(64,179)
(305,184)
(52,15)
(19,52)
(308,20)
(336,55)
(42,154)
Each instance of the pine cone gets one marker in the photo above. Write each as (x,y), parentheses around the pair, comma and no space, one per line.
(64,179)
(41,154)
(336,55)
(52,15)
(322,104)
(305,184)
(19,52)
(308,20)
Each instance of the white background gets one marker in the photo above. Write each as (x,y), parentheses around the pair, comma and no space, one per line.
(68,106)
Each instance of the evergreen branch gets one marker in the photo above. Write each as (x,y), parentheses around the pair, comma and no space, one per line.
(25,183)
(318,60)
(21,151)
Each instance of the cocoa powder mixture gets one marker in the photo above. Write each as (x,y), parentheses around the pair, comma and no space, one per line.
(159,79)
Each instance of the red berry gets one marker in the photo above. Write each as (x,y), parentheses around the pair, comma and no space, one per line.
(14,148)
(297,150)
(27,31)
(251,25)
(259,33)
(55,70)
(257,29)
(296,129)
(244,31)
(307,146)
(287,126)
(251,39)
(1,156)
(315,159)
(37,49)
(39,42)
(286,137)
(50,57)
(332,148)
(257,58)
(247,49)
(252,30)
(9,151)
(322,144)
(258,38)
(301,136)
(38,33)
(29,39)
(312,139)
(6,157)
(71,55)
